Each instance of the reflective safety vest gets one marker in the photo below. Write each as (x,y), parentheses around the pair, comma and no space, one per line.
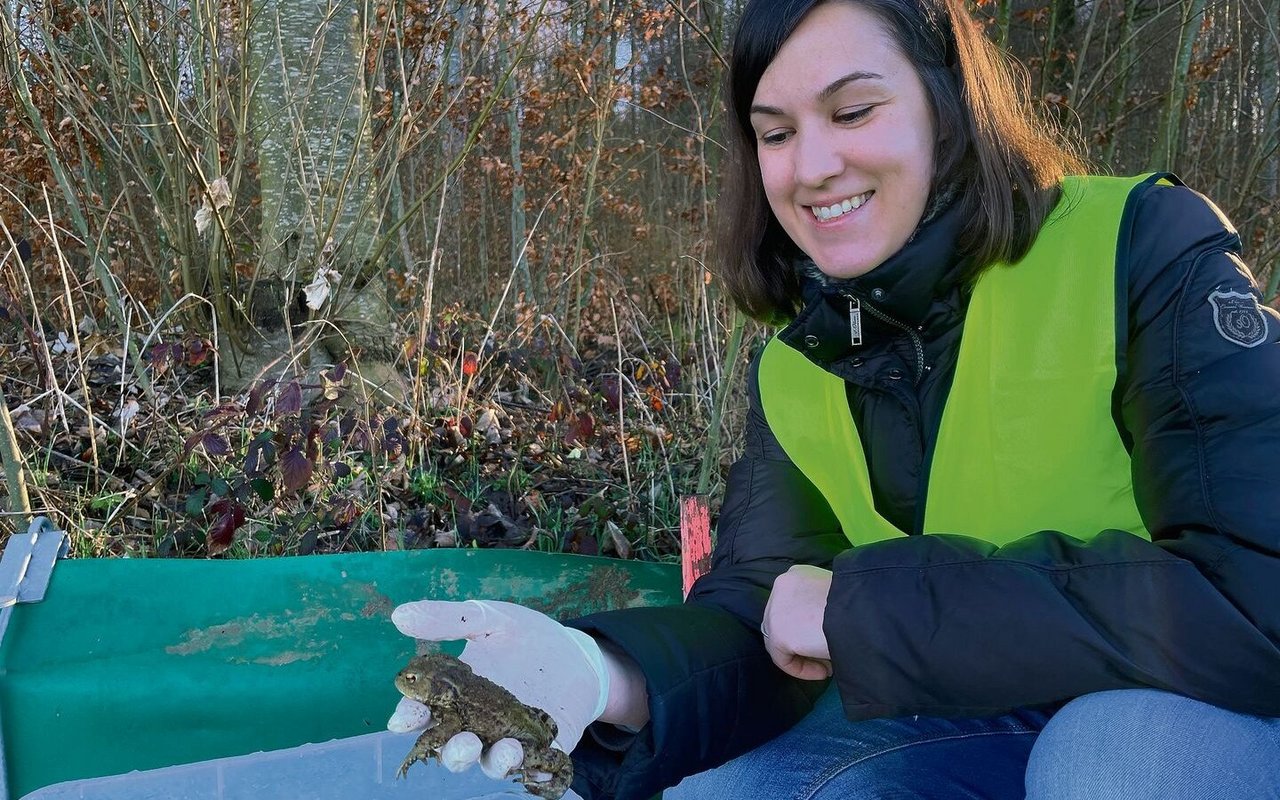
(1027,439)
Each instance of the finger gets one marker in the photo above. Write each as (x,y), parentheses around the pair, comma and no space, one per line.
(410,715)
(443,620)
(797,666)
(808,669)
(461,751)
(504,756)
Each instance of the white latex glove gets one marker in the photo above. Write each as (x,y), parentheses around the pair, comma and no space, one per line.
(541,662)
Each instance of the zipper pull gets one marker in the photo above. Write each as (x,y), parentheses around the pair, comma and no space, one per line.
(855,320)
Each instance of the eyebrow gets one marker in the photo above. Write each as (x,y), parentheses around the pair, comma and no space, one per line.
(826,93)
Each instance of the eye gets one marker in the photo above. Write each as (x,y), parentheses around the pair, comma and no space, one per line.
(846,116)
(775,137)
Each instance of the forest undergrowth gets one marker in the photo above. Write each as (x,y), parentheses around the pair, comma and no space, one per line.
(520,439)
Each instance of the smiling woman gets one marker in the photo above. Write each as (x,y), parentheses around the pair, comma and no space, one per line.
(1009,468)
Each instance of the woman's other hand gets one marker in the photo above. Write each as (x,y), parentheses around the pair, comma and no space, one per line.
(792,625)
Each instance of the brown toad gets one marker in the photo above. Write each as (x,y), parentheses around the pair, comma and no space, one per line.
(461,700)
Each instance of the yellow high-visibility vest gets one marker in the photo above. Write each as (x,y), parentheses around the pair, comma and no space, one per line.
(1027,439)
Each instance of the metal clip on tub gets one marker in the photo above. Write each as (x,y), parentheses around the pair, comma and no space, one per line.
(28,562)
(25,569)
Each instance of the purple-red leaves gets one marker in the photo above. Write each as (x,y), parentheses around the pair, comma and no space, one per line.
(295,469)
(261,455)
(611,390)
(290,399)
(215,445)
(256,395)
(193,352)
(228,516)
(198,352)
(581,428)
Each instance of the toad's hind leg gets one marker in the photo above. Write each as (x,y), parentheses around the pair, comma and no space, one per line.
(555,762)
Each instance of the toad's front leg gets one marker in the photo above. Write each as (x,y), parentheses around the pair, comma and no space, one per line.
(446,724)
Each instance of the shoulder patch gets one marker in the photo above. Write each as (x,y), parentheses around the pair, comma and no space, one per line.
(1238,318)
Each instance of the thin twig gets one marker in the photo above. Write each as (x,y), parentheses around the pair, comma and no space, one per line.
(622,417)
(14,466)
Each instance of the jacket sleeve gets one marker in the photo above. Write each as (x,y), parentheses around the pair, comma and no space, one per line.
(949,626)
(714,693)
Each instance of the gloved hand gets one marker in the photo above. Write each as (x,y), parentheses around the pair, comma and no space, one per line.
(541,662)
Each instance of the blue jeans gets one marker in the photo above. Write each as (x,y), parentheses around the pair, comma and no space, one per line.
(1131,745)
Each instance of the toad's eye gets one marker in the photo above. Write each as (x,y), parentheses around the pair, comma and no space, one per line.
(410,678)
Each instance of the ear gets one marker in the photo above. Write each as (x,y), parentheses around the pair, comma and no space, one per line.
(447,694)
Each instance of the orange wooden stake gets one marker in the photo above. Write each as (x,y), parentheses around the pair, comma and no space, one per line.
(695,538)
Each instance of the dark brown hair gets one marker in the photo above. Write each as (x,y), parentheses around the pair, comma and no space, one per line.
(1005,160)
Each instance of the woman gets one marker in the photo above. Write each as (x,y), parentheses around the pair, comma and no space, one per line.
(1086,436)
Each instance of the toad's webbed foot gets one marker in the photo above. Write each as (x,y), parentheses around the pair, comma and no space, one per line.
(553,762)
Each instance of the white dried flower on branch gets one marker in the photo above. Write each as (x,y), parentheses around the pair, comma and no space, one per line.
(321,285)
(220,191)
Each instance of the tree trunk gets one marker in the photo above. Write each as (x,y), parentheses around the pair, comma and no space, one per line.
(1120,92)
(1166,151)
(519,261)
(320,210)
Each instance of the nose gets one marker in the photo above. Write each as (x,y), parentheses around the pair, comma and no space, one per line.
(816,159)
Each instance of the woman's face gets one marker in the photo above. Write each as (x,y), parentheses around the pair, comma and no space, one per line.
(845,140)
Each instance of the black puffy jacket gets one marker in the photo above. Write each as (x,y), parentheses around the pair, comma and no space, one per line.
(950,625)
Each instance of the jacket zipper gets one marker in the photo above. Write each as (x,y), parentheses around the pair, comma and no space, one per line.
(856,307)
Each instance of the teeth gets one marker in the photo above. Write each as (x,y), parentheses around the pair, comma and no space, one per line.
(825,213)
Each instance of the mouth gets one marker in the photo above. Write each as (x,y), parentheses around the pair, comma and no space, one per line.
(839,209)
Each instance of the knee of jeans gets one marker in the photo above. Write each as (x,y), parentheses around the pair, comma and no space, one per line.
(1143,743)
(726,781)
(760,775)
(1069,750)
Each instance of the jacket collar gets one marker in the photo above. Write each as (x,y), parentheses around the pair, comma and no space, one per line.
(906,288)
(908,282)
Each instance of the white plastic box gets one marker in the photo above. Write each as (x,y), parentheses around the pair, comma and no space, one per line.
(359,768)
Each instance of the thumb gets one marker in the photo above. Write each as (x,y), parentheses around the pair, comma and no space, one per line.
(802,667)
(410,715)
(445,620)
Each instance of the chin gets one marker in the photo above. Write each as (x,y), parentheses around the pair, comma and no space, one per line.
(845,270)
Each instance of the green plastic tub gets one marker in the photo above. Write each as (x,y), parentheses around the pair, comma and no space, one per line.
(146,664)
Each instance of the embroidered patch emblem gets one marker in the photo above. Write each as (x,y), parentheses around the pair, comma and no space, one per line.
(1238,318)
